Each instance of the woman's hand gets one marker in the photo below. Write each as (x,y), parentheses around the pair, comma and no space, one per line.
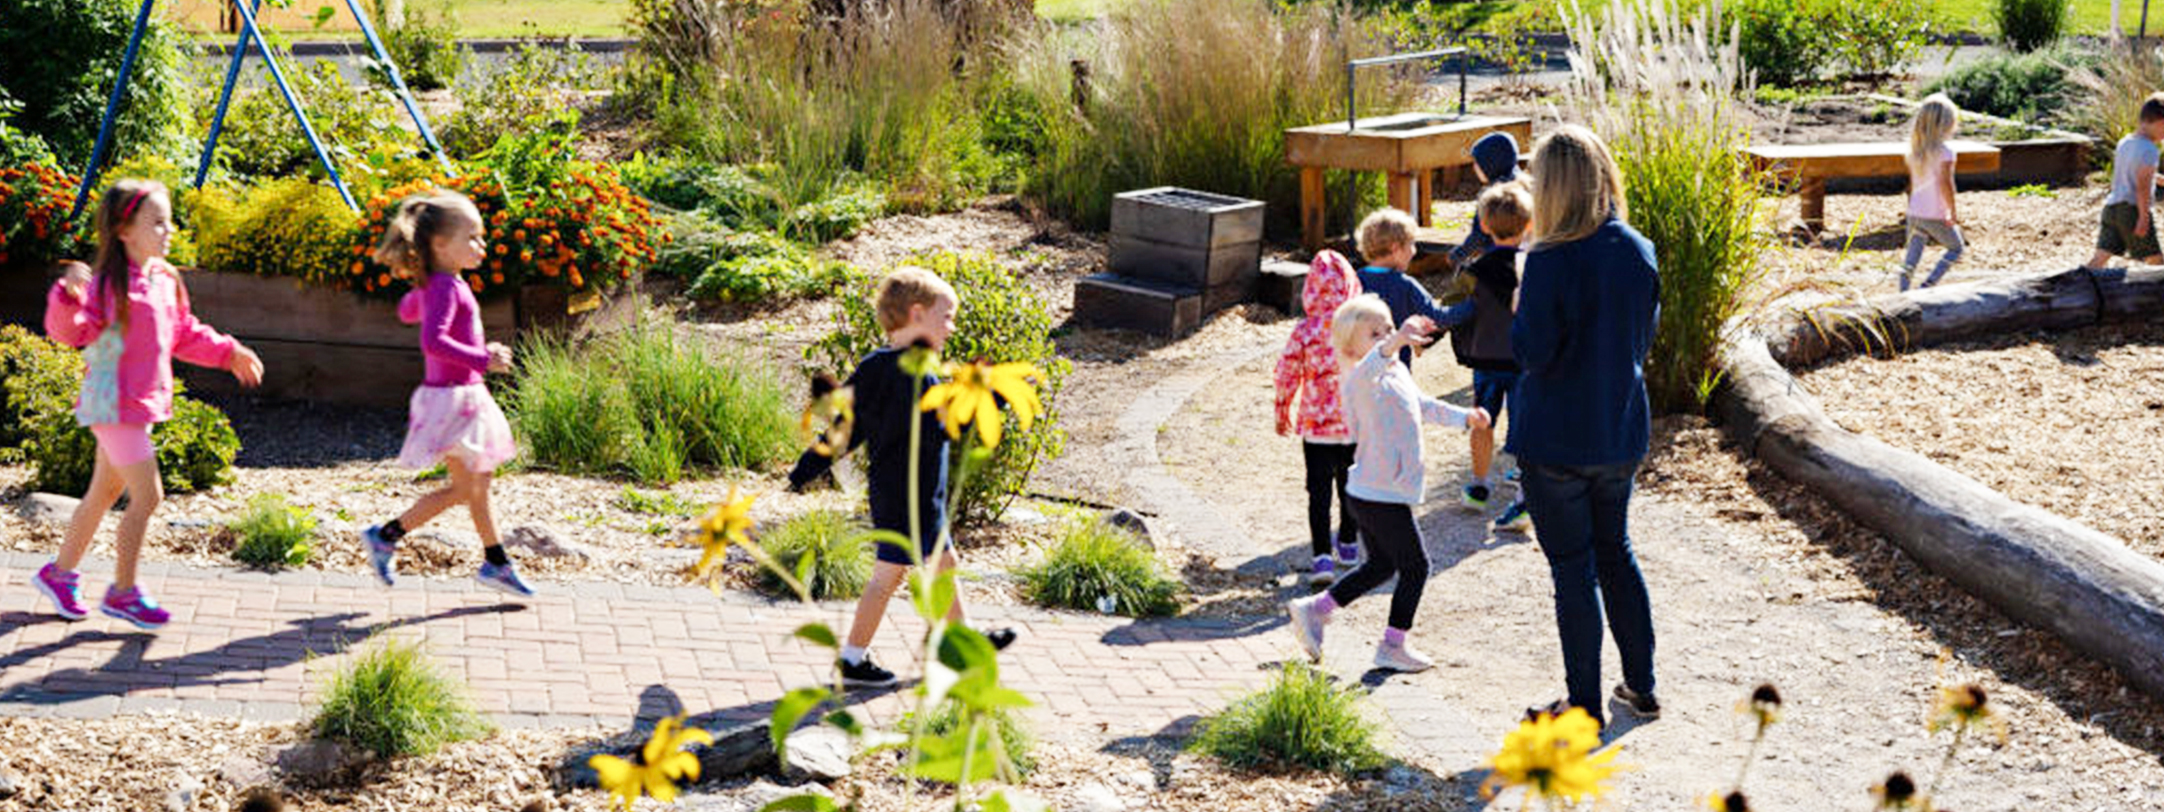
(245,366)
(499,357)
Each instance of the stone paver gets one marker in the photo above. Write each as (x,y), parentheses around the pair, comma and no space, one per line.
(258,646)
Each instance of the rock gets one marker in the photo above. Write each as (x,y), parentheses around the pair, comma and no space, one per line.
(7,786)
(737,750)
(244,772)
(819,753)
(750,798)
(1097,798)
(49,509)
(318,758)
(543,542)
(1023,516)
(183,795)
(1131,522)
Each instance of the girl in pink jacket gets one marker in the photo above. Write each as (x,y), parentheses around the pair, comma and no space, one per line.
(130,317)
(1308,370)
(453,420)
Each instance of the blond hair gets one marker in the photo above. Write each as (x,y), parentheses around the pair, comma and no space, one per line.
(408,244)
(1352,317)
(1506,210)
(109,267)
(904,288)
(1933,125)
(1384,231)
(1576,186)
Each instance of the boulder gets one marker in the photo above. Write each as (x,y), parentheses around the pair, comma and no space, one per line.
(48,509)
(1132,522)
(818,753)
(318,758)
(543,542)
(244,772)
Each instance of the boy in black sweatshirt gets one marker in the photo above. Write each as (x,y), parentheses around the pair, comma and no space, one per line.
(916,309)
(1482,342)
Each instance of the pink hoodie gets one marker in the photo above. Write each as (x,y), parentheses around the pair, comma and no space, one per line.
(1309,366)
(128,373)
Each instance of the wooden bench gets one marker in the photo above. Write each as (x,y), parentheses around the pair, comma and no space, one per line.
(1812,165)
(1408,147)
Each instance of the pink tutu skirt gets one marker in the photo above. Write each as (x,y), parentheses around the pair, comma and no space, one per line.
(456,421)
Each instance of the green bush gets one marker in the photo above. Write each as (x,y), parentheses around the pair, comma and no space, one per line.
(732,196)
(1093,561)
(530,87)
(1015,739)
(792,274)
(1300,720)
(2034,87)
(2031,25)
(357,124)
(36,376)
(836,216)
(1000,320)
(280,227)
(425,48)
(195,449)
(1789,42)
(62,57)
(647,404)
(1875,39)
(19,146)
(392,701)
(273,534)
(841,555)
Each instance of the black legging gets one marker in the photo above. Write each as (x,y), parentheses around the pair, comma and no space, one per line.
(1394,548)
(1327,466)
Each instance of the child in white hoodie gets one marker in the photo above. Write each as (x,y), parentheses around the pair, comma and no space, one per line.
(1384,408)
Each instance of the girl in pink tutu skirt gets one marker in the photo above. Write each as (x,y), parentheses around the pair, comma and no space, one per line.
(434,238)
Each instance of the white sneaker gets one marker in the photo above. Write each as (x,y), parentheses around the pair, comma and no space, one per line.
(1402,657)
(1307,626)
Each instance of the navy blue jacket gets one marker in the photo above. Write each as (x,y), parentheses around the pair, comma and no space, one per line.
(1586,314)
(1407,299)
(886,402)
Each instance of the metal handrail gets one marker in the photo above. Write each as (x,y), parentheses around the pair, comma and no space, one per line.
(1351,112)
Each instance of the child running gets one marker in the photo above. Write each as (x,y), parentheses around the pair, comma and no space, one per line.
(1308,370)
(1386,240)
(130,317)
(2128,229)
(916,309)
(1931,189)
(433,239)
(1482,343)
(1385,410)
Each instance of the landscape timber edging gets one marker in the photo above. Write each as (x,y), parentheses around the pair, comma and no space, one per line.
(2089,588)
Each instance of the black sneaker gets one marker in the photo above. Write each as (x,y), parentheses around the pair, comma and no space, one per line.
(866,674)
(1001,638)
(1643,706)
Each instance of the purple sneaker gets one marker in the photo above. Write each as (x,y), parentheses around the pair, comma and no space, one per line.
(1348,556)
(133,606)
(64,589)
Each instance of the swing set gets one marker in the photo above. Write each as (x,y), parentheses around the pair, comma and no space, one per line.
(250,36)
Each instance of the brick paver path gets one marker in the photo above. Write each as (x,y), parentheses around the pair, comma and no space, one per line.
(256,645)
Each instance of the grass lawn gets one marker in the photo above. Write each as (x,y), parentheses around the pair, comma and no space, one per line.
(2090,16)
(476,18)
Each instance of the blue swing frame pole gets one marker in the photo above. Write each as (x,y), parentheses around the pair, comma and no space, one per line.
(112,110)
(247,19)
(225,99)
(398,83)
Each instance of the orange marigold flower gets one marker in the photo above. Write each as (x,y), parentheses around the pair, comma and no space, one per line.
(475,283)
(519,235)
(502,249)
(525,256)
(496,278)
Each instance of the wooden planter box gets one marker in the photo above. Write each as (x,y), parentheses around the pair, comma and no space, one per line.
(1206,242)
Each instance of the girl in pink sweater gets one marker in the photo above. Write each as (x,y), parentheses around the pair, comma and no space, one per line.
(453,421)
(1308,371)
(130,317)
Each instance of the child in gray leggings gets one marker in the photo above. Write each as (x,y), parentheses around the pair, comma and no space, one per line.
(1931,189)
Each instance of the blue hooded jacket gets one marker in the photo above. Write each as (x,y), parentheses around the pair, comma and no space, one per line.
(1497,156)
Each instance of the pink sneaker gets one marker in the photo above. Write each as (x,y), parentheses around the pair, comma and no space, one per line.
(63,589)
(135,607)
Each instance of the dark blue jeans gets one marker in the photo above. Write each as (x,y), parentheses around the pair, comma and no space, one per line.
(1581,515)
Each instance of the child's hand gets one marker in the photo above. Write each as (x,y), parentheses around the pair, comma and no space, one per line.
(499,357)
(1284,429)
(76,282)
(1478,420)
(245,366)
(2141,225)
(1417,331)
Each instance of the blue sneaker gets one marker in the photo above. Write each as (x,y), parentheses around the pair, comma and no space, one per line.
(1324,572)
(503,579)
(1514,518)
(380,553)
(1474,497)
(1515,476)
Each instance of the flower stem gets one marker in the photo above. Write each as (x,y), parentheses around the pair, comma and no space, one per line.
(1750,757)
(1946,764)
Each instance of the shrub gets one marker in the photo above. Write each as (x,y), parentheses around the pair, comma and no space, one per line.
(529,87)
(1093,561)
(731,195)
(1015,740)
(195,449)
(392,701)
(2034,87)
(1873,40)
(1300,720)
(34,227)
(1785,42)
(19,146)
(36,376)
(272,534)
(2031,25)
(790,274)
(279,227)
(835,216)
(841,555)
(2113,90)
(261,137)
(62,57)
(1665,104)
(1000,320)
(647,404)
(425,48)
(1197,94)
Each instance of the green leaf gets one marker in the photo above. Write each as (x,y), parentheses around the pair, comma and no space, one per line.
(323,15)
(846,722)
(818,634)
(791,710)
(807,802)
(965,649)
(941,758)
(944,594)
(1007,801)
(804,565)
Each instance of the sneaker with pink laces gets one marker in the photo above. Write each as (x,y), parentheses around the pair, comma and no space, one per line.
(64,589)
(133,606)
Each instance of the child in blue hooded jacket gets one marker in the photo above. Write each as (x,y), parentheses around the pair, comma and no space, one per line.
(1495,160)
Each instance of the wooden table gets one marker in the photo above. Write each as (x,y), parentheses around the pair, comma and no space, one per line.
(1812,165)
(1407,146)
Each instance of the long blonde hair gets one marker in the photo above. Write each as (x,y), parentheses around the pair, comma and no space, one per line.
(408,245)
(1934,124)
(1576,186)
(109,269)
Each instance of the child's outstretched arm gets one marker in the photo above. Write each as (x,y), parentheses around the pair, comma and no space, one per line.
(68,317)
(1470,249)
(1444,414)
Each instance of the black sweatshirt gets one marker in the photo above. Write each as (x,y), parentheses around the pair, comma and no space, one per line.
(1483,342)
(885,402)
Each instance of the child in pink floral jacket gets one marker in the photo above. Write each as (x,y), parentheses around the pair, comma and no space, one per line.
(1308,370)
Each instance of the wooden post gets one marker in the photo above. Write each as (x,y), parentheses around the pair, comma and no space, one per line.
(1424,197)
(1453,175)
(1311,212)
(1401,191)
(1814,203)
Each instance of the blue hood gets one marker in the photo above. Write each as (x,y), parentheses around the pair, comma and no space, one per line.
(1497,156)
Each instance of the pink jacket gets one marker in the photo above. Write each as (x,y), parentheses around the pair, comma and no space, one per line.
(1309,367)
(128,373)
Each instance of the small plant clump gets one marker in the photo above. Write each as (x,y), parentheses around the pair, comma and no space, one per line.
(273,534)
(1095,566)
(1301,720)
(1014,738)
(392,701)
(840,555)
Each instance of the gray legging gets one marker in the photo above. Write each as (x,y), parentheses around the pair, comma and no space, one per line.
(1939,231)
